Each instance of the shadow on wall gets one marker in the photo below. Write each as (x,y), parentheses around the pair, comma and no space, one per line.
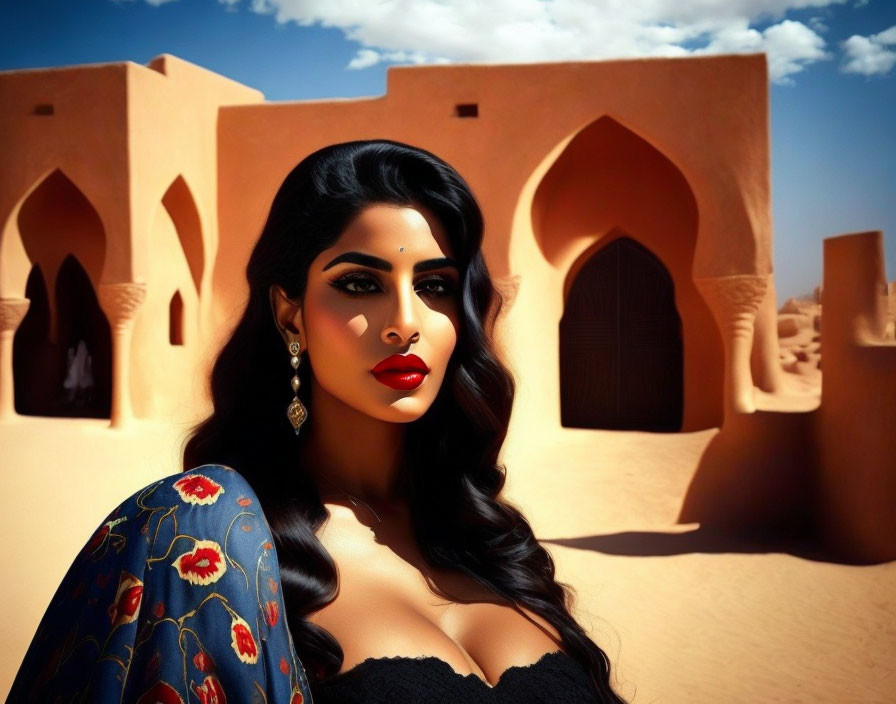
(756,478)
(826,478)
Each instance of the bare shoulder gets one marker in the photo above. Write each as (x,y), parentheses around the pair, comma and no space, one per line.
(542,622)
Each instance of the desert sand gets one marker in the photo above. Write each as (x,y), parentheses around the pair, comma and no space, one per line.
(687,615)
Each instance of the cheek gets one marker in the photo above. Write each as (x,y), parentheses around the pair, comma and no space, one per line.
(444,336)
(332,327)
(356,326)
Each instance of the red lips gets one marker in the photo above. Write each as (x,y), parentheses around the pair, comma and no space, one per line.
(401,372)
(401,363)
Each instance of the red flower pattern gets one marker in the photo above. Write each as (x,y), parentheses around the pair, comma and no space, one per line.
(203,661)
(284,666)
(297,697)
(153,665)
(244,501)
(210,691)
(123,608)
(198,489)
(271,612)
(243,643)
(98,538)
(204,564)
(160,693)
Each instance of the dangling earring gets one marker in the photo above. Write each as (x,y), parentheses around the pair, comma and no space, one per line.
(297,413)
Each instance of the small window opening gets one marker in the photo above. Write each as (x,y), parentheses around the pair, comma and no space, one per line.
(43,109)
(467,109)
(176,320)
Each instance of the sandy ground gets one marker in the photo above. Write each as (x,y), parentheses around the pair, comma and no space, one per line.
(686,616)
(59,479)
(691,617)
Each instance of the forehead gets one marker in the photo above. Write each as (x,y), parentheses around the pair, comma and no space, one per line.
(385,228)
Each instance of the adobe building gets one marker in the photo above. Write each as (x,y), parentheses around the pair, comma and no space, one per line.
(628,225)
(160,176)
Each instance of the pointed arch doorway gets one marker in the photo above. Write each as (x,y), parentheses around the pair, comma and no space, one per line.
(62,350)
(72,375)
(621,361)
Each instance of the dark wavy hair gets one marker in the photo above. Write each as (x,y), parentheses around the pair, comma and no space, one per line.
(460,520)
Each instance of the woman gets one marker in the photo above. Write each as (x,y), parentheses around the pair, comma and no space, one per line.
(360,402)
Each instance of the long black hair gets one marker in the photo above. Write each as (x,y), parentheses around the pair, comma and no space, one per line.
(460,520)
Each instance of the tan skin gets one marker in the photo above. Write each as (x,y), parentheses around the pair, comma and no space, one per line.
(390,602)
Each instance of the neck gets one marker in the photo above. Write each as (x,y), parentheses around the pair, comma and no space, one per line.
(349,452)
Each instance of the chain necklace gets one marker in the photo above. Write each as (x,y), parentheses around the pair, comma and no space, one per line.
(356,502)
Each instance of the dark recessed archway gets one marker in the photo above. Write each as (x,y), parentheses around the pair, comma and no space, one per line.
(35,359)
(71,377)
(85,338)
(176,319)
(62,360)
(621,362)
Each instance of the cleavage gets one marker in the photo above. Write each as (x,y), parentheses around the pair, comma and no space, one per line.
(385,584)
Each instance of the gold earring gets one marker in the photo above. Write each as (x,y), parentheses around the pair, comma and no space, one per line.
(297,413)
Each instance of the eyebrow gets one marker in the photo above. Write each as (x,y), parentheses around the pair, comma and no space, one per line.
(381,264)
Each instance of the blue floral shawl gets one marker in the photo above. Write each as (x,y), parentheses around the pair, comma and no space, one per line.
(175,598)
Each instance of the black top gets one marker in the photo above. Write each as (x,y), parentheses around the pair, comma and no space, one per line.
(555,677)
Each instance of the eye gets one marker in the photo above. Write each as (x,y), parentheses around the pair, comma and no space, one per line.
(343,283)
(443,286)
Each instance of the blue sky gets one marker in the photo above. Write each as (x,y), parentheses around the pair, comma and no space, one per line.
(833,65)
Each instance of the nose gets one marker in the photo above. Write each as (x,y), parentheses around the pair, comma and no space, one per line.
(403,321)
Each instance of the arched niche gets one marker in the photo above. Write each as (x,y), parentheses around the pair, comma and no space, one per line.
(621,344)
(71,375)
(176,320)
(607,182)
(57,219)
(609,176)
(62,361)
(181,208)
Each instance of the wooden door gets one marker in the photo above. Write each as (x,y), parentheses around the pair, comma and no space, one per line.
(621,344)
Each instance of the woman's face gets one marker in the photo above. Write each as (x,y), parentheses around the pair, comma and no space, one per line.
(387,287)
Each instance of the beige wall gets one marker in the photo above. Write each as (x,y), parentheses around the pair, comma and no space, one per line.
(172,115)
(86,138)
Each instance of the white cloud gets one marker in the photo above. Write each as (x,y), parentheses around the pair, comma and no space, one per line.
(519,31)
(870,55)
(791,46)
(816,23)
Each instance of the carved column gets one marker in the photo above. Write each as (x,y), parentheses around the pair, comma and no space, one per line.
(12,311)
(734,301)
(120,302)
